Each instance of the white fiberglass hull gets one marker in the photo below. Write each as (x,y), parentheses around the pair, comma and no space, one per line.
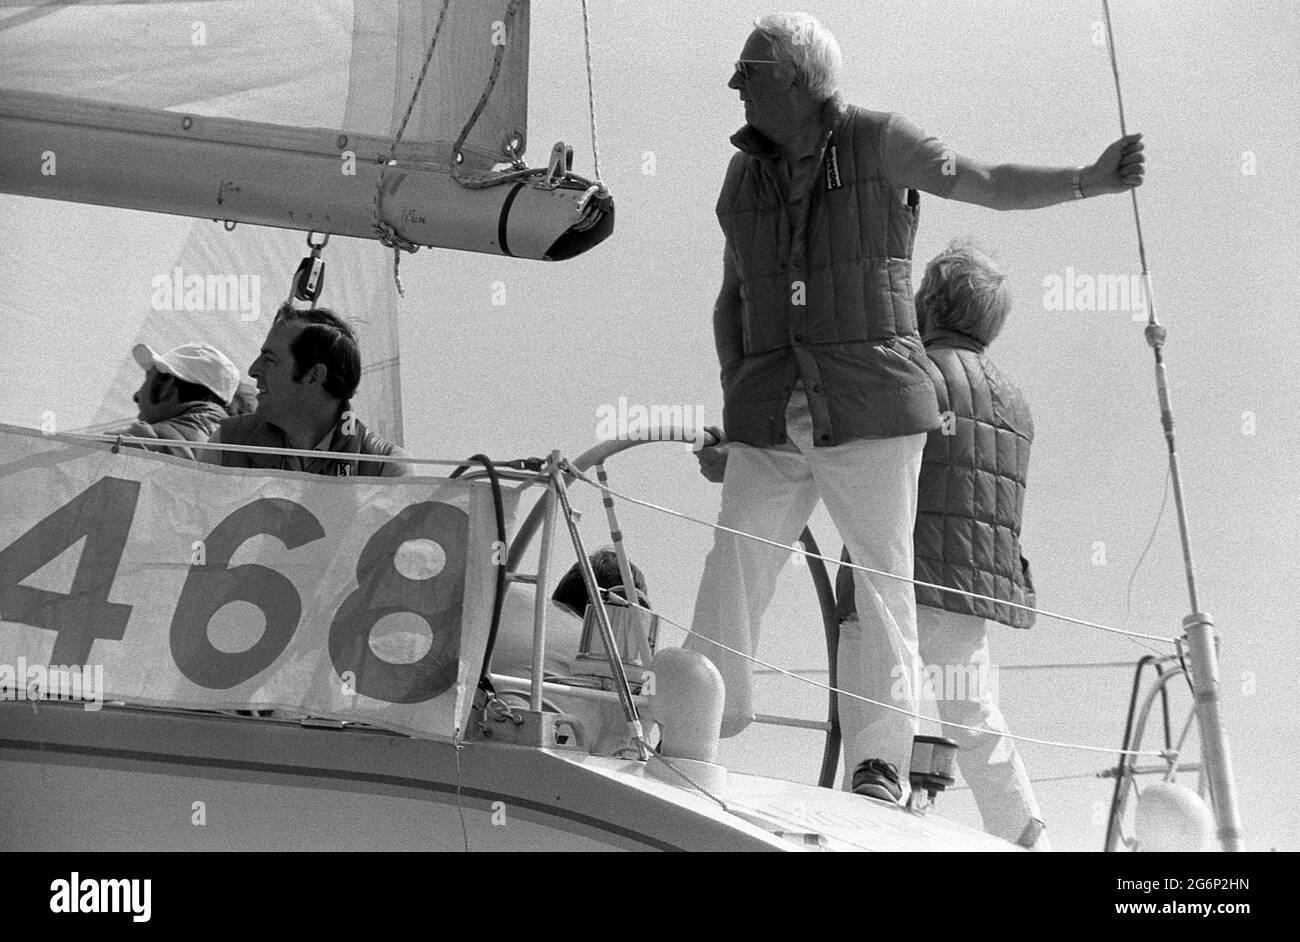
(126,778)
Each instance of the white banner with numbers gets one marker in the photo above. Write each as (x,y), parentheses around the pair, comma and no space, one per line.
(182,584)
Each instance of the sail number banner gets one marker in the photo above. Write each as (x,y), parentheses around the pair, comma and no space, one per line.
(155,580)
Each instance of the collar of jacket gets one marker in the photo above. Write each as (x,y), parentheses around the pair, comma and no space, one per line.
(342,440)
(336,439)
(755,143)
(943,337)
(200,410)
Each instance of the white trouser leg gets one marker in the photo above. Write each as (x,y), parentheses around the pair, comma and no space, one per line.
(869,487)
(870,490)
(958,646)
(768,492)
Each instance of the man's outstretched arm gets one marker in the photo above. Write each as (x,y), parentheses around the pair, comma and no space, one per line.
(1015,186)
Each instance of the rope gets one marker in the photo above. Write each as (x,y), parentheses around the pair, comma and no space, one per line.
(765,822)
(875,572)
(591,90)
(460,807)
(1108,750)
(388,236)
(522,173)
(651,754)
(1128,589)
(497,59)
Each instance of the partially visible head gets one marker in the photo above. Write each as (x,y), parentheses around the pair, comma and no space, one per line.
(963,291)
(244,401)
(309,363)
(571,591)
(806,70)
(193,372)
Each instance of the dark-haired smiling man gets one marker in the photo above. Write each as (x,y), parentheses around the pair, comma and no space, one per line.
(306,374)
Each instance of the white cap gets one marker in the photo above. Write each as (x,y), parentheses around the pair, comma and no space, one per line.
(194,363)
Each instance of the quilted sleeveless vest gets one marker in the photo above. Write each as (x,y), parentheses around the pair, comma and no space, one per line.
(826,292)
(971,495)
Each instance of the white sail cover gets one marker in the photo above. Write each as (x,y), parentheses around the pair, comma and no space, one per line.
(79,285)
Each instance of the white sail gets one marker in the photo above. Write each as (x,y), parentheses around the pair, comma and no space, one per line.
(83,284)
(319,64)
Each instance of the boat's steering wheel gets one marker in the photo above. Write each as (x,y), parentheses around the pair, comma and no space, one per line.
(821,581)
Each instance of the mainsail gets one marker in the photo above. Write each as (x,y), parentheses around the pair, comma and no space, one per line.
(319,64)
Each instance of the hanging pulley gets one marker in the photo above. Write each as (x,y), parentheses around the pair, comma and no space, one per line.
(309,279)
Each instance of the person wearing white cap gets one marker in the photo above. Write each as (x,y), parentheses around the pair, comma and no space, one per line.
(183,397)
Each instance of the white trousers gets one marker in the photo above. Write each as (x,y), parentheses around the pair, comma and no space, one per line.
(956,647)
(869,487)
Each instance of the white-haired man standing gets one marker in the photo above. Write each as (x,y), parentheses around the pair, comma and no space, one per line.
(825,390)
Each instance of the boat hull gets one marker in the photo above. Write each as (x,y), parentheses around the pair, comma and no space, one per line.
(142,778)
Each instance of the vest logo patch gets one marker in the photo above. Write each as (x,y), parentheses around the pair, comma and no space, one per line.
(832,169)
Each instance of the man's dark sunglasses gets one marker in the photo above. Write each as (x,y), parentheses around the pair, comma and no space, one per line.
(742,65)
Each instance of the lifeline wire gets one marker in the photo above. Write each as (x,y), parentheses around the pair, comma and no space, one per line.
(974,729)
(109,439)
(1078,776)
(1065,665)
(876,572)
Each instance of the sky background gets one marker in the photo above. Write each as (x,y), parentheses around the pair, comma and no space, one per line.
(1212,86)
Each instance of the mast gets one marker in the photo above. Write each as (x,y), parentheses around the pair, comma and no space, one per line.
(1198,626)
